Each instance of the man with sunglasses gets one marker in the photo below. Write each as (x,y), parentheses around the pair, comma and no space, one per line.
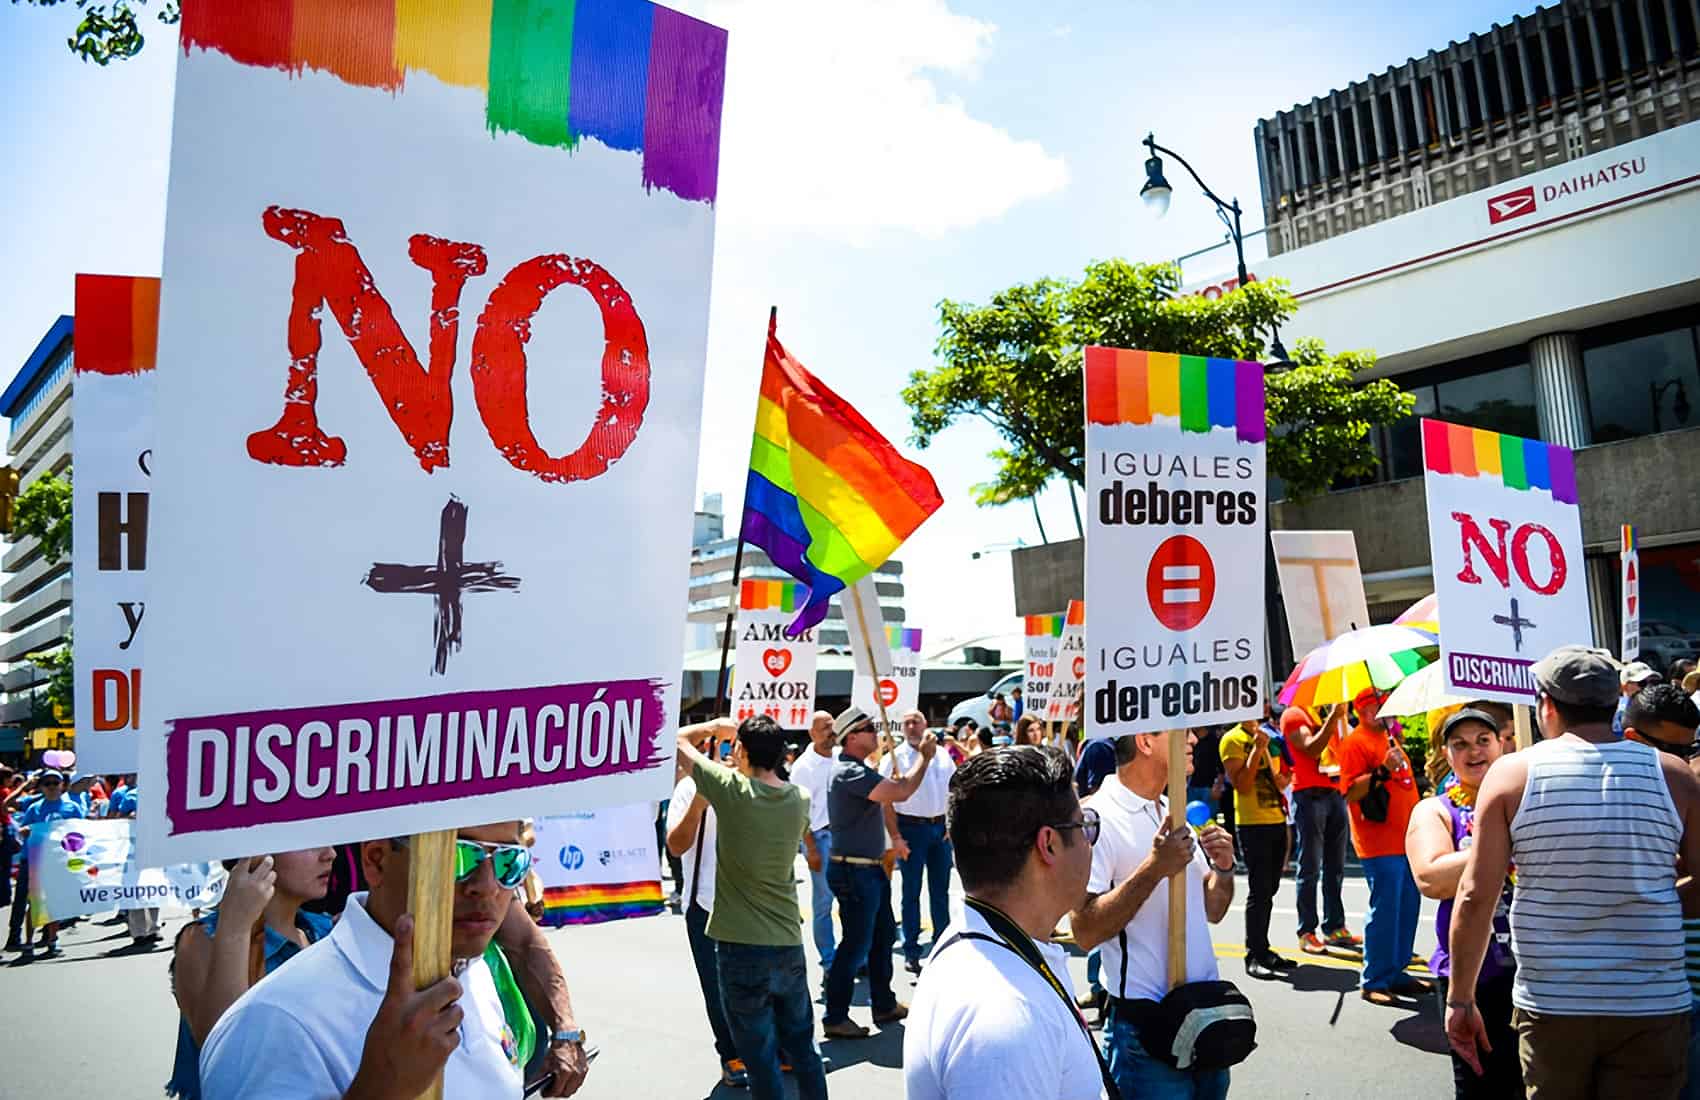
(1663,717)
(993,1012)
(343,1019)
(1595,827)
(857,803)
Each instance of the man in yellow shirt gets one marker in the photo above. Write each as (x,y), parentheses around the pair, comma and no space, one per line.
(1260,780)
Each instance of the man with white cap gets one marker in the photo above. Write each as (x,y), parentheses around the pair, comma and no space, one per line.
(856,803)
(1595,826)
(1634,676)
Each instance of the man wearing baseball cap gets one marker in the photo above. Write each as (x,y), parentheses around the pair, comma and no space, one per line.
(1634,676)
(856,803)
(1595,826)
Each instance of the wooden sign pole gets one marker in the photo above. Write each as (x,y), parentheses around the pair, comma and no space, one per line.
(431,900)
(1521,724)
(1178,882)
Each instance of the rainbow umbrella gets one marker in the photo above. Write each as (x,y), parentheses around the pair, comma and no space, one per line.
(1421,692)
(1422,615)
(1376,656)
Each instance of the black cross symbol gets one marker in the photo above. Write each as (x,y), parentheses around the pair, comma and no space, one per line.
(1516,622)
(446,580)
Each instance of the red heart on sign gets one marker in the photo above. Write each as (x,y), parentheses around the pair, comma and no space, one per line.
(887,692)
(776,660)
(1080,668)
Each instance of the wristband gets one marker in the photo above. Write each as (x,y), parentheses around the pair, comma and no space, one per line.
(571,1035)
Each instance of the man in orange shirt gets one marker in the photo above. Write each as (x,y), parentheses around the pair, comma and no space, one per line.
(1381,792)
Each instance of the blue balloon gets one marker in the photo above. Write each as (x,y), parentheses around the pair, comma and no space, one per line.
(1197,814)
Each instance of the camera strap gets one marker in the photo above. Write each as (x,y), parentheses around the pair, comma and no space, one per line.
(1013,938)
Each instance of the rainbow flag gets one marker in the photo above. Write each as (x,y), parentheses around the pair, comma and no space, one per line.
(1628,539)
(633,75)
(117,324)
(593,904)
(1039,626)
(1135,387)
(828,498)
(771,595)
(899,637)
(1516,462)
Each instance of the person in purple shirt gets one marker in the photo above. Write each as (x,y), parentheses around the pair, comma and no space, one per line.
(1437,843)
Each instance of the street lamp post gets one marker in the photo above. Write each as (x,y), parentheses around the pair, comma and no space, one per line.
(1156,194)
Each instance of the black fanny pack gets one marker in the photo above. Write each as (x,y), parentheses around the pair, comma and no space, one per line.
(1196,1026)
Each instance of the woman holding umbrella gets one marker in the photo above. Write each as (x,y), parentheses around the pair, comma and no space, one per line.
(1438,845)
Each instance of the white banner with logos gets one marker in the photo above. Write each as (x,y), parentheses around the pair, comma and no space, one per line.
(78,867)
(598,865)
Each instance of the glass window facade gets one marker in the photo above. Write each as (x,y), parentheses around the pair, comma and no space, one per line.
(1641,383)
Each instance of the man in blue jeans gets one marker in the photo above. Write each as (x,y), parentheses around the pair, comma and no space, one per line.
(756,923)
(856,805)
(812,771)
(920,821)
(1322,825)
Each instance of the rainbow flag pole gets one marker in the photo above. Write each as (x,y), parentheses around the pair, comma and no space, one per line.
(737,567)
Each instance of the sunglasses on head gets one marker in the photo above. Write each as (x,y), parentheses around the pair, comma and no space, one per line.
(510,863)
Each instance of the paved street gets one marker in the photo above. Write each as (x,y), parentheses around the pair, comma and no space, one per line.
(94,1017)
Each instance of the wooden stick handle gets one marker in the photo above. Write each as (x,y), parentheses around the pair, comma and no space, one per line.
(1178,882)
(1520,723)
(431,900)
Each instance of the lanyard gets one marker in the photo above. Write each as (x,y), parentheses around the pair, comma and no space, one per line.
(1011,936)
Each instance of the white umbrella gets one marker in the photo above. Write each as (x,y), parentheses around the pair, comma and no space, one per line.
(1420,692)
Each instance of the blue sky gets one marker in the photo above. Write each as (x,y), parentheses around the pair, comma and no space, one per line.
(878,156)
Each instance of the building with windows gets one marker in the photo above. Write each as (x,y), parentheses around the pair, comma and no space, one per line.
(1511,224)
(712,558)
(36,593)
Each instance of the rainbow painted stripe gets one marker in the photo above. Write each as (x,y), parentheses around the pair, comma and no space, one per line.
(1076,613)
(1517,462)
(594,904)
(772,595)
(908,638)
(1136,387)
(828,498)
(1040,626)
(1628,538)
(117,324)
(634,75)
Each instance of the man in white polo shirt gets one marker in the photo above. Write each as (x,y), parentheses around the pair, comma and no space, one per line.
(1127,911)
(343,1021)
(812,771)
(994,1013)
(920,821)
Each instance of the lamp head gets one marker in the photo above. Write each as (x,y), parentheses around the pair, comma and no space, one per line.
(1278,360)
(1156,192)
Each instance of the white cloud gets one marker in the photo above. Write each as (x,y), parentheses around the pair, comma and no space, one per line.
(834,124)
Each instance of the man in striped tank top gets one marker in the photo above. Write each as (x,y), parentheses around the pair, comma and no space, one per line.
(1594,827)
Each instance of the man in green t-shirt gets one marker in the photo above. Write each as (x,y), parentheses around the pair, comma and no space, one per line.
(1260,780)
(756,920)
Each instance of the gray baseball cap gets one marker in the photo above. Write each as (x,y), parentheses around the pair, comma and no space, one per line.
(1638,672)
(1579,676)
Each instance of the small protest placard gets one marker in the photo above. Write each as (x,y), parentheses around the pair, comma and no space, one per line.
(775,673)
(78,867)
(901,690)
(1070,680)
(1042,636)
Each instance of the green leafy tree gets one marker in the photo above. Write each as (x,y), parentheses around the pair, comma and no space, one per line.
(59,696)
(44,511)
(110,32)
(1015,363)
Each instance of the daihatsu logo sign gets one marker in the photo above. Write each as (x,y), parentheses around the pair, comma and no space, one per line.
(1512,204)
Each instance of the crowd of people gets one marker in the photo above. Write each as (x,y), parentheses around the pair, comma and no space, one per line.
(1565,928)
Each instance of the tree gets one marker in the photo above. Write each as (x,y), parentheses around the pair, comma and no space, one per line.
(110,33)
(1016,364)
(44,511)
(60,693)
